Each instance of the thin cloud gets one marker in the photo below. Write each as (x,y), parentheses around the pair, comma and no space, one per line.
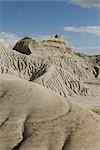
(90,50)
(86,3)
(8,39)
(87,29)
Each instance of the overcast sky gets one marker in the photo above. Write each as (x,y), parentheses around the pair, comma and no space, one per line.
(77,20)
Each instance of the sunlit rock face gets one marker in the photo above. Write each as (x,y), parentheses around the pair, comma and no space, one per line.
(35,118)
(57,42)
(51,65)
(47,92)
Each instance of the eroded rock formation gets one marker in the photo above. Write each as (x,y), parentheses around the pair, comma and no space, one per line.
(37,83)
(34,118)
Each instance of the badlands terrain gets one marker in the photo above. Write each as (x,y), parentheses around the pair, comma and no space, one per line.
(49,97)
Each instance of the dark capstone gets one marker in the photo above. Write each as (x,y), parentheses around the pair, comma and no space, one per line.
(57,36)
(23,45)
(22,49)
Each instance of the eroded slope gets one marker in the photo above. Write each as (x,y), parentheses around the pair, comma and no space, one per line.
(34,118)
(63,73)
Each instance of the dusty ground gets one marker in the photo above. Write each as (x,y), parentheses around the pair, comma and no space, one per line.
(91,102)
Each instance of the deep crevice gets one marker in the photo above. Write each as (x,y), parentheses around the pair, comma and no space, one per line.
(96,73)
(66,143)
(3,123)
(39,73)
(19,144)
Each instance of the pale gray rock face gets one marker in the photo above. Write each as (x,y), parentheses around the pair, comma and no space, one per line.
(34,118)
(46,97)
(62,73)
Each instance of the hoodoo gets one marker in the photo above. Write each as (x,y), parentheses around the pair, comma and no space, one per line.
(57,42)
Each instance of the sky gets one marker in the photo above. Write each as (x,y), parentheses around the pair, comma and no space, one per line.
(78,21)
